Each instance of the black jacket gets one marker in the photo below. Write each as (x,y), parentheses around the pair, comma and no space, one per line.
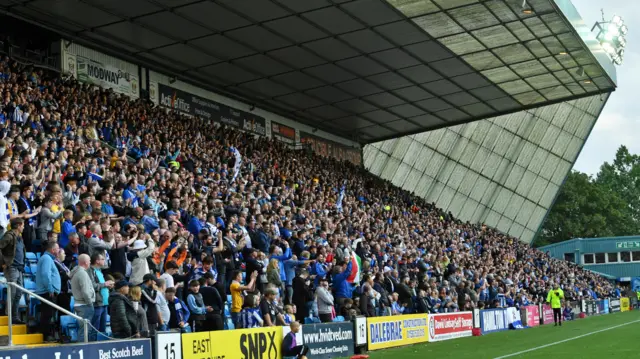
(423,305)
(211,297)
(301,295)
(124,322)
(366,307)
(149,304)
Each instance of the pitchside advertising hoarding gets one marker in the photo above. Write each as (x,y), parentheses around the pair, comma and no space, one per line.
(325,341)
(388,332)
(258,343)
(113,349)
(450,326)
(330,340)
(193,105)
(532,315)
(615,305)
(493,320)
(624,304)
(547,314)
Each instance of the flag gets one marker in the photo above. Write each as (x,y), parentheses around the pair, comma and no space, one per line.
(354,277)
(94,176)
(340,198)
(238,163)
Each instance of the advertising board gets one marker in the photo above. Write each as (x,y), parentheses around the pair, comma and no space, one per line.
(533,315)
(624,304)
(326,148)
(615,305)
(113,349)
(106,76)
(283,133)
(547,314)
(388,332)
(450,326)
(329,340)
(193,105)
(493,320)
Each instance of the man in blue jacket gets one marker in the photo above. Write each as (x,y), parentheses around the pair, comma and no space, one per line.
(342,288)
(290,267)
(276,253)
(48,285)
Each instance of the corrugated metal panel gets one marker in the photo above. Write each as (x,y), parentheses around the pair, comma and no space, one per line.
(194,90)
(599,246)
(617,270)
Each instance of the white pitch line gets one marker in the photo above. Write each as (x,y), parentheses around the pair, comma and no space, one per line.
(566,340)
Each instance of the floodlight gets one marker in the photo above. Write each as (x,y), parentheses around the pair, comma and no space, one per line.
(611,35)
(624,29)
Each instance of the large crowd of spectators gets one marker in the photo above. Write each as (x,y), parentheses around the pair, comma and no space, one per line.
(139,214)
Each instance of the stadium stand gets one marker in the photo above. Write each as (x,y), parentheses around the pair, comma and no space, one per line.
(143,190)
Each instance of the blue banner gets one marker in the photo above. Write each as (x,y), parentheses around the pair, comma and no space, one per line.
(113,349)
(493,320)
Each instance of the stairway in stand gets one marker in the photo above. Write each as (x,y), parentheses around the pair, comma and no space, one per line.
(20,336)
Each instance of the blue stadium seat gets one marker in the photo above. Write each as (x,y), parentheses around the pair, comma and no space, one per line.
(313,320)
(69,327)
(27,270)
(227,312)
(228,298)
(33,310)
(72,302)
(339,318)
(29,284)
(229,324)
(32,258)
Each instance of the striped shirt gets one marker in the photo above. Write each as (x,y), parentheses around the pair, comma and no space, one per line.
(250,318)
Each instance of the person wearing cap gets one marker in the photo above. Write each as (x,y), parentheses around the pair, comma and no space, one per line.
(124,321)
(149,301)
(83,293)
(138,253)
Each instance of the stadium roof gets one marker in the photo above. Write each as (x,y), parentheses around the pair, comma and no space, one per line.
(367,70)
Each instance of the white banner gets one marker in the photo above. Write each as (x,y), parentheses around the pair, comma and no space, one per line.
(513,318)
(107,76)
(70,65)
(153,92)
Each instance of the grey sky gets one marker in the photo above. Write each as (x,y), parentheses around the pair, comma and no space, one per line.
(619,123)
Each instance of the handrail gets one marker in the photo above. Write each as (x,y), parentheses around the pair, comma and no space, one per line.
(48,302)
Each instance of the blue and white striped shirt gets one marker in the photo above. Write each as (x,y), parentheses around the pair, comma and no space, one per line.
(250,318)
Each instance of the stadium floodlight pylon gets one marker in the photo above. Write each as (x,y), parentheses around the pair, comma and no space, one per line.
(612,37)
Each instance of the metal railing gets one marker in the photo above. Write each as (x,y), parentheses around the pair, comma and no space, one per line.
(46,301)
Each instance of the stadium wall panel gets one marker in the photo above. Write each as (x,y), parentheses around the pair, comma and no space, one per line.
(504,171)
